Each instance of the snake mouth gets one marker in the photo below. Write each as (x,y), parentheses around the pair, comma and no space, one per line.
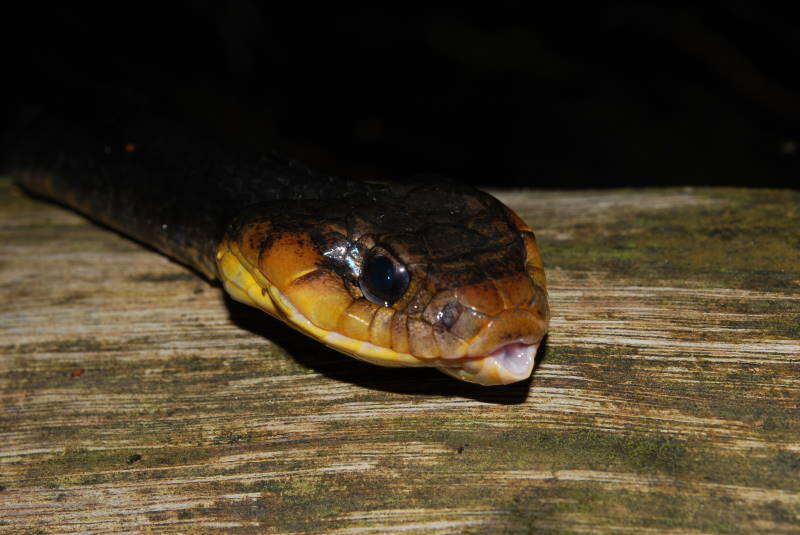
(507,364)
(515,359)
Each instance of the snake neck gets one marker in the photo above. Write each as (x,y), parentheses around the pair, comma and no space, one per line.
(157,182)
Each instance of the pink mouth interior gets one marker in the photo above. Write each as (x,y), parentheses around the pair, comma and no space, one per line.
(516,358)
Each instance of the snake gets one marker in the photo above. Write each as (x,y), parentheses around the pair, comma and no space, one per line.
(398,274)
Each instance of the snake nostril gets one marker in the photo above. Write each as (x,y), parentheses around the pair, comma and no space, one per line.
(449,314)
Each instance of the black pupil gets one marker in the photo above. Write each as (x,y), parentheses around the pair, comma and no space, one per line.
(381,274)
(384,280)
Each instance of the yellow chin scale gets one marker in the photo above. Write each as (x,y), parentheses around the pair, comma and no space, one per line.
(246,285)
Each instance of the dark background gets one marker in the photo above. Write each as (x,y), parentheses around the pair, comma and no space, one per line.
(514,94)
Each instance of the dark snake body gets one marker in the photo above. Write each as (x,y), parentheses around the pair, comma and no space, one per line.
(175,191)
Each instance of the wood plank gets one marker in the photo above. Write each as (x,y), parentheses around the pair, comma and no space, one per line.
(136,397)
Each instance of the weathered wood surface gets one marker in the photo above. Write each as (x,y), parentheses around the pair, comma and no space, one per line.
(136,398)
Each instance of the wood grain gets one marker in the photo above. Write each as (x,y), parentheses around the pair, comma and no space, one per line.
(136,398)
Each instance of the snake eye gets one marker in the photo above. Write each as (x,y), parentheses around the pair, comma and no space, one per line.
(383,279)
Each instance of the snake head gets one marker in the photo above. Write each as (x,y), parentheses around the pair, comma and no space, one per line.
(440,276)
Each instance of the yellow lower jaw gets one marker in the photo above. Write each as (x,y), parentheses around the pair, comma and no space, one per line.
(242,286)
